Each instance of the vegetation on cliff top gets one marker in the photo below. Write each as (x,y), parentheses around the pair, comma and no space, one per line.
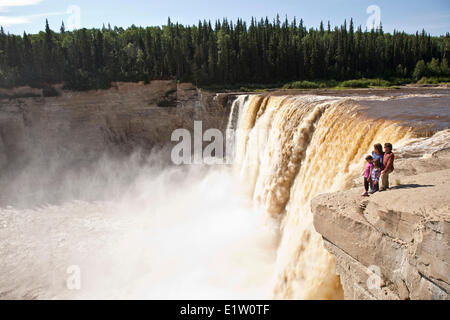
(227,53)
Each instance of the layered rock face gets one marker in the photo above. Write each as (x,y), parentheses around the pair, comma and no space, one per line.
(47,141)
(395,244)
(82,125)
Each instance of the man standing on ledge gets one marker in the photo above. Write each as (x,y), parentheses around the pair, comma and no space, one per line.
(388,162)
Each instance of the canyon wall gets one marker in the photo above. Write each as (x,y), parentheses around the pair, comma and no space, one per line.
(83,125)
(45,142)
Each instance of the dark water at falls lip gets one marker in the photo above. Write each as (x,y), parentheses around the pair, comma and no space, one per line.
(419,112)
(427,110)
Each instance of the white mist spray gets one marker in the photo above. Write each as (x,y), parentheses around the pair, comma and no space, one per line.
(172,232)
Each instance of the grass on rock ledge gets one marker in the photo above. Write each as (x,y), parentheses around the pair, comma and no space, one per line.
(329,84)
(364,83)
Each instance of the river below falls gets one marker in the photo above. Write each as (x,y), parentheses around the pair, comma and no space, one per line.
(162,238)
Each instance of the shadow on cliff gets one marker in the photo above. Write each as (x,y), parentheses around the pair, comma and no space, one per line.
(412,186)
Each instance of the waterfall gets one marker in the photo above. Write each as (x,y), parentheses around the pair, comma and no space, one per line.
(290,149)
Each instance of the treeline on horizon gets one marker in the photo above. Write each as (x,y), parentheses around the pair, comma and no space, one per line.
(263,52)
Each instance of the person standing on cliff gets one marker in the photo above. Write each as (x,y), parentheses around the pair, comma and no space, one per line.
(378,153)
(375,176)
(367,174)
(388,162)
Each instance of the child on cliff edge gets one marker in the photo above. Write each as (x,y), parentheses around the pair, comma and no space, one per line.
(375,176)
(367,175)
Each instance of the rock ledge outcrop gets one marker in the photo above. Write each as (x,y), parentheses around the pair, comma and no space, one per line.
(394,244)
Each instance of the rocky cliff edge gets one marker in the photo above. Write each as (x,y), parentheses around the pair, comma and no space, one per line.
(394,244)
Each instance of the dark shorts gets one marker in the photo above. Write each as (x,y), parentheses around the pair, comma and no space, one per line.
(366,184)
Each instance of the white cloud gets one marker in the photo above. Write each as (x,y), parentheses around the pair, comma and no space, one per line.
(9,21)
(18,3)
(6,4)
(47,14)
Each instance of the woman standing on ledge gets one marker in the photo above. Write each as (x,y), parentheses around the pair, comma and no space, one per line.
(378,153)
(388,161)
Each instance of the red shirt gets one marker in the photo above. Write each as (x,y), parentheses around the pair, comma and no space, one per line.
(388,161)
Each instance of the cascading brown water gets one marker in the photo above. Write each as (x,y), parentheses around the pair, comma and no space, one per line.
(289,149)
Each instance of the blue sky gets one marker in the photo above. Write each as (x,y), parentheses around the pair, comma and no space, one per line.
(17,16)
